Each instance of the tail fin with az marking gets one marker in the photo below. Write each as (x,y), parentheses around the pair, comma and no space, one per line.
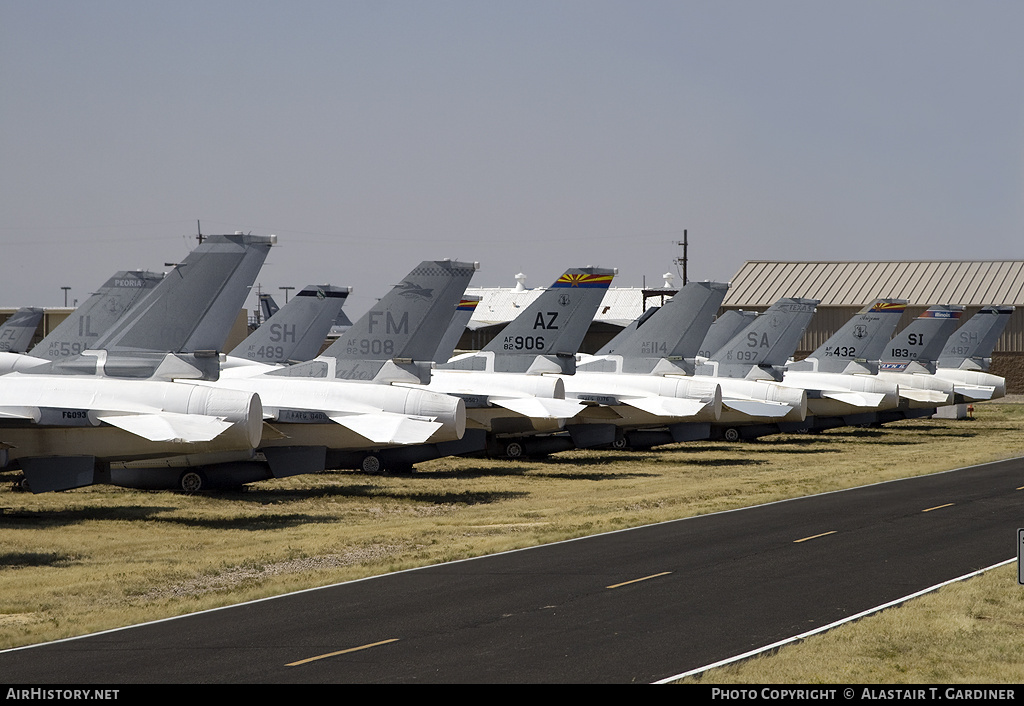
(547,335)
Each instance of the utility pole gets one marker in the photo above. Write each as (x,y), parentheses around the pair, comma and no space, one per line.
(682,260)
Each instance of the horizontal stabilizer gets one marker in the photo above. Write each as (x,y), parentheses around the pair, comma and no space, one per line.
(918,395)
(758,408)
(540,407)
(975,392)
(856,399)
(666,406)
(168,426)
(386,428)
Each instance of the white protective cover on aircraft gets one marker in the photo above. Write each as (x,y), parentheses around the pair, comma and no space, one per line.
(150,417)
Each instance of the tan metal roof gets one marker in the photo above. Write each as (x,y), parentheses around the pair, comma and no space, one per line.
(923,283)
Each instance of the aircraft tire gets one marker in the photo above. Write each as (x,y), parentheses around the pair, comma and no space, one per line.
(192,481)
(620,444)
(731,434)
(372,465)
(514,449)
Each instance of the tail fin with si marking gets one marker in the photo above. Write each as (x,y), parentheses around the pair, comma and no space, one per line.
(917,347)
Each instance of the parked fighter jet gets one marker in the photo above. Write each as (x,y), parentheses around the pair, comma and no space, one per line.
(635,389)
(505,385)
(750,369)
(840,376)
(967,356)
(342,405)
(909,361)
(63,422)
(16,333)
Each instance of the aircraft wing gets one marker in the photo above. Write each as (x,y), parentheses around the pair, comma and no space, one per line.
(856,399)
(540,407)
(758,408)
(168,426)
(974,392)
(666,406)
(920,395)
(385,428)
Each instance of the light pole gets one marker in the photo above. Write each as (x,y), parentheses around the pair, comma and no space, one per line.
(65,295)
(286,293)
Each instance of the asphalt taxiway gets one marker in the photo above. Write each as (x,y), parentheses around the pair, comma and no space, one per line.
(630,606)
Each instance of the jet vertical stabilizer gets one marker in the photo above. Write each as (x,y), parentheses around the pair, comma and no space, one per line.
(968,354)
(16,333)
(82,328)
(547,335)
(463,313)
(970,347)
(723,329)
(839,376)
(858,344)
(909,359)
(396,340)
(295,333)
(79,331)
(669,339)
(762,348)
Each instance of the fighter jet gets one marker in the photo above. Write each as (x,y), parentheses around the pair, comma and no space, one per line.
(749,368)
(967,356)
(345,403)
(16,333)
(909,361)
(507,386)
(129,396)
(641,390)
(840,376)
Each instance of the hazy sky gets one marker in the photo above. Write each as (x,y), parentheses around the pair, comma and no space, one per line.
(529,136)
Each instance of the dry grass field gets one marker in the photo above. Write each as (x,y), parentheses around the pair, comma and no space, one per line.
(95,558)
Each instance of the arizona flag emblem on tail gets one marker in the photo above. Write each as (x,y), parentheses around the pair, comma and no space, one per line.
(583,280)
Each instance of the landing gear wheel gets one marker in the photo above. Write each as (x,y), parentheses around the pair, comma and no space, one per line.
(191,482)
(513,449)
(372,465)
(620,443)
(731,434)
